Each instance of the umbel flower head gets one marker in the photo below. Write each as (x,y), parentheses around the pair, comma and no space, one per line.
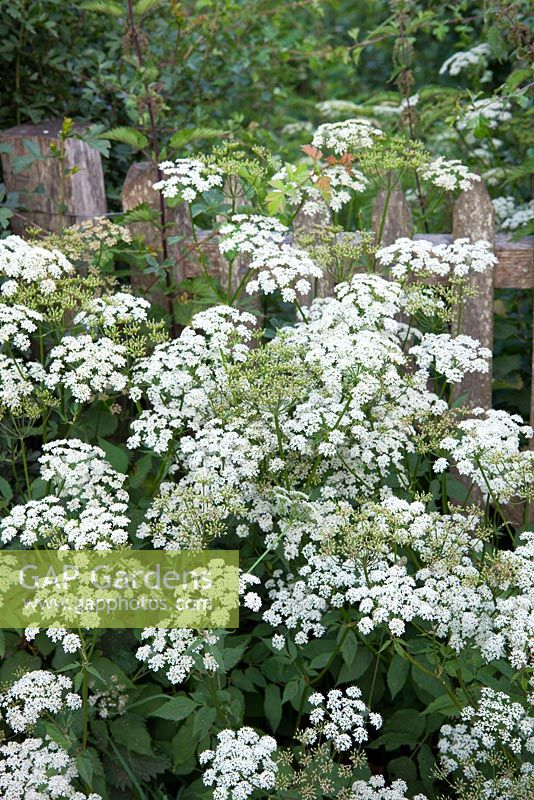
(39,769)
(36,694)
(241,763)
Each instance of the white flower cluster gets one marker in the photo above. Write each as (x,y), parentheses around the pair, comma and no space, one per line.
(347,136)
(16,323)
(340,718)
(115,309)
(19,381)
(22,263)
(245,233)
(188,178)
(38,769)
(241,763)
(330,187)
(498,723)
(494,111)
(452,357)
(375,789)
(487,450)
(334,109)
(373,579)
(70,642)
(449,174)
(511,216)
(36,694)
(283,267)
(179,376)
(178,651)
(476,56)
(421,257)
(87,368)
(88,509)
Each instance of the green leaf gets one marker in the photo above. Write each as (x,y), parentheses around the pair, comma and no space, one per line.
(349,648)
(203,721)
(273,705)
(516,78)
(141,213)
(146,6)
(130,732)
(176,708)
(5,489)
(397,674)
(117,456)
(187,135)
(442,705)
(111,8)
(135,139)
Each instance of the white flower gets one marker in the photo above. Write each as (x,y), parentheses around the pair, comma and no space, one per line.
(188,178)
(19,381)
(511,216)
(282,267)
(119,308)
(87,368)
(178,651)
(16,324)
(347,136)
(487,449)
(340,717)
(450,356)
(449,175)
(497,722)
(421,257)
(476,56)
(241,763)
(375,789)
(246,233)
(22,263)
(36,694)
(36,769)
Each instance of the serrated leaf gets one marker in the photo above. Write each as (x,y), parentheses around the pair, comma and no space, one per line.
(349,648)
(146,6)
(442,705)
(141,213)
(130,732)
(134,139)
(188,135)
(5,489)
(108,7)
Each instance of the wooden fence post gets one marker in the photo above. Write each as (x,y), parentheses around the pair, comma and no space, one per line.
(85,196)
(474,219)
(398,217)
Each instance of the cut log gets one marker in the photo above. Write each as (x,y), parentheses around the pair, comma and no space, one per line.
(39,185)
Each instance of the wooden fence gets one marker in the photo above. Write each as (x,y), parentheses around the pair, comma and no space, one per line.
(473,218)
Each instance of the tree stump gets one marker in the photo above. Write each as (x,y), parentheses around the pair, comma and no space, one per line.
(39,185)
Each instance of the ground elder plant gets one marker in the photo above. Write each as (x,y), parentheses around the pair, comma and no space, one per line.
(386,629)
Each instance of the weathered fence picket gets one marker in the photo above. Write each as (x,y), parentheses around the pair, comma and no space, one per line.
(40,187)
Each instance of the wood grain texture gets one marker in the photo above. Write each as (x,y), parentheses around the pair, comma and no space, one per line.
(38,186)
(398,221)
(474,219)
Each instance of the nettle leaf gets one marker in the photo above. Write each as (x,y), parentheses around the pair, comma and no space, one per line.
(146,6)
(112,8)
(131,137)
(188,135)
(141,213)
(130,732)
